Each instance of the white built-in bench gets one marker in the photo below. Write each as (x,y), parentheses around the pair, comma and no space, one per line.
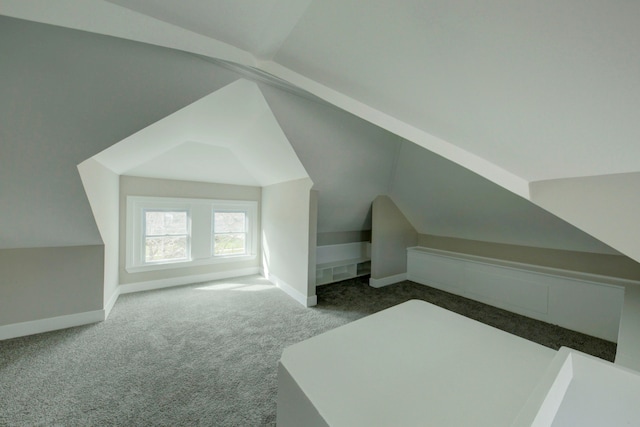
(341,262)
(582,302)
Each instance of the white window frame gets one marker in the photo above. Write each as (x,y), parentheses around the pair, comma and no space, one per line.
(145,235)
(200,227)
(234,207)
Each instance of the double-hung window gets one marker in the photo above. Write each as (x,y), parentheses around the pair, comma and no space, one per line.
(166,235)
(164,232)
(230,233)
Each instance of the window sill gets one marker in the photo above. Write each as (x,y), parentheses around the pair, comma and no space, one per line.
(189,263)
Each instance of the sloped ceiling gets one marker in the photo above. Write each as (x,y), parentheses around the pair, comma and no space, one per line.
(66,95)
(257,27)
(229,136)
(196,161)
(542,89)
(534,88)
(441,198)
(350,161)
(518,92)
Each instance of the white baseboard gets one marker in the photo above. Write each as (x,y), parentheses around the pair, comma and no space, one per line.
(386,281)
(292,292)
(185,280)
(32,327)
(112,301)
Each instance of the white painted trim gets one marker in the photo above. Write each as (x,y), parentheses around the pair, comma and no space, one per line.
(197,223)
(112,301)
(312,301)
(539,269)
(185,280)
(565,298)
(386,281)
(32,327)
(191,263)
(343,251)
(307,301)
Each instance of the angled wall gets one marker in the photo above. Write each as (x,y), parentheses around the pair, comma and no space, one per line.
(442,198)
(42,289)
(604,206)
(349,160)
(287,230)
(65,95)
(103,191)
(391,235)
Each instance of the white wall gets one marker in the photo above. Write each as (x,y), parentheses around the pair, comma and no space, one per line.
(137,186)
(391,235)
(286,219)
(103,190)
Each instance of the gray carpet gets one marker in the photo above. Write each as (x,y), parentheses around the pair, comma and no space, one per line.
(203,354)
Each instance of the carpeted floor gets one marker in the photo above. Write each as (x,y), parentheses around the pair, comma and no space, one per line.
(204,354)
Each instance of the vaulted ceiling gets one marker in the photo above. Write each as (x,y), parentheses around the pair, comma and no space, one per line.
(229,136)
(525,94)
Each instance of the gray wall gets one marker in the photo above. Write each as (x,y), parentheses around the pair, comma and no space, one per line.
(606,206)
(136,186)
(39,283)
(442,198)
(391,235)
(349,160)
(66,95)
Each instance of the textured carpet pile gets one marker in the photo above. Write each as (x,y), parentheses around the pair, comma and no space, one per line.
(203,354)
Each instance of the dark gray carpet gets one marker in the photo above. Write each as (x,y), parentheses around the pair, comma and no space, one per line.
(203,354)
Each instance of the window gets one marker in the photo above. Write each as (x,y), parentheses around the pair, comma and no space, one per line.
(167,232)
(230,233)
(166,235)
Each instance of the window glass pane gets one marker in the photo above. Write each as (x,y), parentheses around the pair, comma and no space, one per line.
(229,222)
(165,248)
(230,244)
(165,222)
